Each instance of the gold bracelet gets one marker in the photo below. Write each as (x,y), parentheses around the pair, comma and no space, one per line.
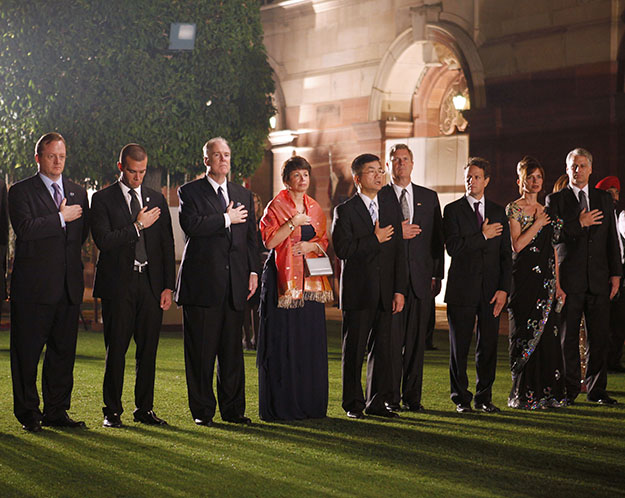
(290,224)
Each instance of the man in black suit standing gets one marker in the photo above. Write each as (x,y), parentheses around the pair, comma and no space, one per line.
(366,233)
(612,186)
(4,241)
(590,268)
(218,273)
(49,215)
(135,278)
(422,231)
(477,236)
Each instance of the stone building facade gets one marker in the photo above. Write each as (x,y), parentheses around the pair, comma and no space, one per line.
(540,77)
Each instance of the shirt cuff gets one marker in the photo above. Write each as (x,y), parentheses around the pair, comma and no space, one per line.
(62,220)
(227,218)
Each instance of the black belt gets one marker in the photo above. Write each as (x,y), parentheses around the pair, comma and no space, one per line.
(140,268)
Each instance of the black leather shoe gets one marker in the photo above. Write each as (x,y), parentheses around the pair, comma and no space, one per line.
(386,413)
(239,419)
(616,368)
(418,407)
(206,422)
(63,421)
(32,426)
(149,418)
(431,347)
(394,407)
(112,420)
(463,408)
(355,414)
(604,400)
(487,407)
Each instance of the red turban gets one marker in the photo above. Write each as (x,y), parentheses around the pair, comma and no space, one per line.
(609,182)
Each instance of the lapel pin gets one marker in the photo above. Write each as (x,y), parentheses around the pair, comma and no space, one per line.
(147,199)
(71,194)
(418,203)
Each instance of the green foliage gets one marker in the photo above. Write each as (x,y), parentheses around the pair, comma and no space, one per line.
(101,74)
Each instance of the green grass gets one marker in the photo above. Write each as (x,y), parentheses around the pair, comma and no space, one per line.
(577,451)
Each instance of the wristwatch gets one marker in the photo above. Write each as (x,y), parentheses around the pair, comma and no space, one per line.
(290,224)
(139,225)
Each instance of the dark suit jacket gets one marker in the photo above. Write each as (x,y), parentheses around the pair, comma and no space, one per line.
(116,236)
(47,257)
(215,257)
(4,238)
(587,257)
(425,252)
(479,267)
(370,272)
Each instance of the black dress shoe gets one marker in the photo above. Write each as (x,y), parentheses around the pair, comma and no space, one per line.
(385,412)
(112,420)
(32,426)
(413,407)
(63,421)
(487,407)
(463,408)
(394,407)
(239,419)
(149,418)
(206,422)
(604,400)
(616,368)
(431,347)
(355,414)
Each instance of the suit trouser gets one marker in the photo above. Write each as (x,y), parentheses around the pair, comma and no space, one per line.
(209,334)
(134,312)
(33,326)
(596,310)
(617,330)
(408,333)
(461,325)
(364,330)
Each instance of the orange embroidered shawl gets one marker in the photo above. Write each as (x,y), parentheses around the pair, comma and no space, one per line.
(293,286)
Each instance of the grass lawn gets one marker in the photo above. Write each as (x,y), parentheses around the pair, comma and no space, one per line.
(577,451)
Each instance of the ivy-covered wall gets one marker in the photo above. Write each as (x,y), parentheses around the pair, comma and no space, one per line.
(100,73)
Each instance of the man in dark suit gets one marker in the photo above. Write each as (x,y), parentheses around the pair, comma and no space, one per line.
(590,268)
(49,215)
(422,231)
(218,273)
(366,233)
(4,241)
(612,186)
(478,240)
(135,278)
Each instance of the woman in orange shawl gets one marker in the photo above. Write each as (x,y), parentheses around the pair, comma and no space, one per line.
(292,351)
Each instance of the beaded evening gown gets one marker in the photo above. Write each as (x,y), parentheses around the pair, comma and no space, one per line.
(292,353)
(535,354)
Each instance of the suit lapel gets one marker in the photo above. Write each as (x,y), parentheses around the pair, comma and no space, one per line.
(469,212)
(211,195)
(44,194)
(120,201)
(362,211)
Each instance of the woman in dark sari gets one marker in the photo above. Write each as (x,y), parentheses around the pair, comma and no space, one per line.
(292,353)
(535,299)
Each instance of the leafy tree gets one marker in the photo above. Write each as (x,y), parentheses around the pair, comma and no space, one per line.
(100,73)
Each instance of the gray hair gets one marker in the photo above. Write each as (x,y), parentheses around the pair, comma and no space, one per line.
(570,157)
(209,145)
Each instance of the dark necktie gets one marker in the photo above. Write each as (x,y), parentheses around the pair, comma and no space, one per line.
(222,199)
(478,215)
(403,201)
(58,198)
(583,202)
(141,254)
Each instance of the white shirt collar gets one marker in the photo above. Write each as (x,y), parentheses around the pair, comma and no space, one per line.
(398,189)
(126,190)
(367,200)
(576,191)
(216,185)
